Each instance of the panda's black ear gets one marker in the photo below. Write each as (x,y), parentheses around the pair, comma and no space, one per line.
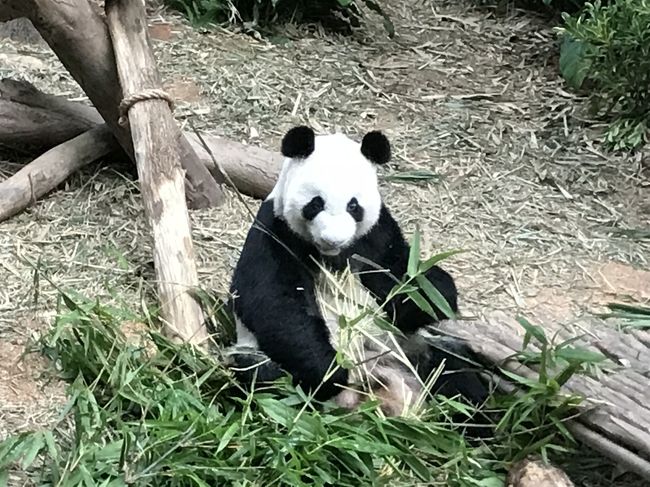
(375,147)
(298,142)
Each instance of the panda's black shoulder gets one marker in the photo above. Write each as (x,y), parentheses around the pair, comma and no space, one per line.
(270,246)
(385,236)
(384,244)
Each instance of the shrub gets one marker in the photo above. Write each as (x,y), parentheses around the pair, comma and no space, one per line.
(262,13)
(608,47)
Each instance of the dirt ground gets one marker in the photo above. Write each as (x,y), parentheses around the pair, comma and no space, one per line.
(554,225)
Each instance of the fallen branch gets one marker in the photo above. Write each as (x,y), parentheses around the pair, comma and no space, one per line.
(78,35)
(253,170)
(159,170)
(29,117)
(52,168)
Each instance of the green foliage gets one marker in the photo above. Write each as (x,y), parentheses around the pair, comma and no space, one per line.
(542,405)
(415,176)
(150,412)
(175,417)
(633,316)
(609,46)
(262,13)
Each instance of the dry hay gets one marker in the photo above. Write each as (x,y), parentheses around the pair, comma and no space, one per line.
(473,97)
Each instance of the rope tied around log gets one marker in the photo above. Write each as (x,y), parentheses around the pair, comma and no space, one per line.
(150,94)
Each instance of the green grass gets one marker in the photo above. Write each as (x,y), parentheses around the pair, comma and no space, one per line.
(632,316)
(165,414)
(415,176)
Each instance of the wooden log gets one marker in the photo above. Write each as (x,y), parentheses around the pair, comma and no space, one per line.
(20,30)
(79,37)
(29,117)
(52,168)
(160,172)
(615,414)
(10,10)
(253,170)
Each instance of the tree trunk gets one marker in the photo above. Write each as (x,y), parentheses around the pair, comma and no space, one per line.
(31,118)
(79,37)
(160,172)
(52,168)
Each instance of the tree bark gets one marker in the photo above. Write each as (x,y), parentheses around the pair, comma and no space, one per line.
(52,168)
(251,170)
(79,37)
(13,9)
(160,172)
(32,118)
(20,30)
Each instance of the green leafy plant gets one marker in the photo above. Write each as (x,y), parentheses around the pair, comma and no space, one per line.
(145,411)
(163,414)
(633,316)
(543,408)
(609,47)
(262,13)
(415,176)
(416,286)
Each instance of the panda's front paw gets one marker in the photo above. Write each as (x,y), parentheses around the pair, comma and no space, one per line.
(348,399)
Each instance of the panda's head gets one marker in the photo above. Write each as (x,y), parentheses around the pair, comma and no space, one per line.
(327,191)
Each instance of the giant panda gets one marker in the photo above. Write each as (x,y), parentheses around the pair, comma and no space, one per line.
(324,232)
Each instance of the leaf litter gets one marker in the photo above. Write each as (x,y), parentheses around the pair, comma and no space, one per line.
(491,153)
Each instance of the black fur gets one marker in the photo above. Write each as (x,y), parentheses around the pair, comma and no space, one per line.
(375,147)
(386,247)
(298,142)
(355,210)
(313,208)
(274,296)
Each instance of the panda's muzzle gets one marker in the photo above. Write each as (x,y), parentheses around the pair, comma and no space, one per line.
(332,233)
(331,247)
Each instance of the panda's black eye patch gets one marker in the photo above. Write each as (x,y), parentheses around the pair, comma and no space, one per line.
(313,208)
(355,210)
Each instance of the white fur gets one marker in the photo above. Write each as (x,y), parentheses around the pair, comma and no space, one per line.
(245,337)
(336,171)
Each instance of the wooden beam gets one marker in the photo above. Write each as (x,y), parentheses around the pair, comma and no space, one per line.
(29,117)
(160,172)
(615,413)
